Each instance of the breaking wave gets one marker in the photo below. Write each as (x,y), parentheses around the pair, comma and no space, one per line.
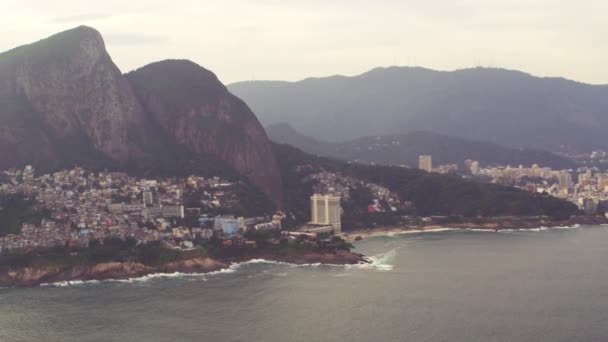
(146,278)
(378,262)
(539,229)
(71,283)
(142,279)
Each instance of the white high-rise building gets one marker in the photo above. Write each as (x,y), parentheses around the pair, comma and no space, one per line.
(425,162)
(28,174)
(475,167)
(148,198)
(326,210)
(565,180)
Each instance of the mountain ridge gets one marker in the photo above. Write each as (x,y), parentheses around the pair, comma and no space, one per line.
(507,107)
(402,149)
(381,69)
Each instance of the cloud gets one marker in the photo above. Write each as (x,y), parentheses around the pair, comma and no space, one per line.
(82,17)
(134,39)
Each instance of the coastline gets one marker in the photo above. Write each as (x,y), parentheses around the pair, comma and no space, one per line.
(495,226)
(36,276)
(56,274)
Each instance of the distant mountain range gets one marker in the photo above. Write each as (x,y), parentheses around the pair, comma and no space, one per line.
(502,106)
(63,102)
(405,148)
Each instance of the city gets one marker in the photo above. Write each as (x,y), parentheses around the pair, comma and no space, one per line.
(587,187)
(84,206)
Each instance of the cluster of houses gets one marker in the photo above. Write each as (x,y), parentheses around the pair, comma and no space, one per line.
(337,184)
(87,206)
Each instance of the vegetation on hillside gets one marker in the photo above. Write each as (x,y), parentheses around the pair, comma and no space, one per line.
(108,250)
(399,149)
(430,194)
(16,210)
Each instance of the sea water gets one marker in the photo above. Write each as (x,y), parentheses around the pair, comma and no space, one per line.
(449,285)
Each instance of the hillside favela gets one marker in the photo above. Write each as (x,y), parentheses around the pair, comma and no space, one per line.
(303,171)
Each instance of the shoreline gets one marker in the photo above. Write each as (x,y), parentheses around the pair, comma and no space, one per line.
(128,271)
(496,226)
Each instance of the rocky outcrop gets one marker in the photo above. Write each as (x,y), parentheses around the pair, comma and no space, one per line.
(31,276)
(63,102)
(307,257)
(68,91)
(198,265)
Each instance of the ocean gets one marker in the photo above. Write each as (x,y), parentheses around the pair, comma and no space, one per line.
(448,285)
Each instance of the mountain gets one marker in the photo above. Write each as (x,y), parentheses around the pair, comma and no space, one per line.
(200,114)
(64,102)
(284,133)
(64,96)
(506,107)
(405,148)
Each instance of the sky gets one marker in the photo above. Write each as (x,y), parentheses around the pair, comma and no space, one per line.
(294,39)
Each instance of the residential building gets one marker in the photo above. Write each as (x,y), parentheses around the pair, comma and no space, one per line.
(425,162)
(475,167)
(169,211)
(565,180)
(148,198)
(228,225)
(326,210)
(116,208)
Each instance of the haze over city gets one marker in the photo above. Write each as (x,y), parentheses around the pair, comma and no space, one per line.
(291,40)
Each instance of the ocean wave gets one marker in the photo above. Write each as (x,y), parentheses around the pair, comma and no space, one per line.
(273,262)
(71,283)
(234,267)
(154,276)
(379,262)
(576,226)
(142,279)
(539,229)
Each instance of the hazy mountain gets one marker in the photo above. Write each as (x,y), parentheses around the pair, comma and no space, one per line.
(405,149)
(284,133)
(502,106)
(64,102)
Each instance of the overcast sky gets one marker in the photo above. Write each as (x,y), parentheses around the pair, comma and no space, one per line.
(294,39)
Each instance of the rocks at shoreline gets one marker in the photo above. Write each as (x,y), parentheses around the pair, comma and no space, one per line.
(33,276)
(303,258)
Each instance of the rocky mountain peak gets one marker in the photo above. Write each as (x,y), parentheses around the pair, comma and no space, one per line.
(63,101)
